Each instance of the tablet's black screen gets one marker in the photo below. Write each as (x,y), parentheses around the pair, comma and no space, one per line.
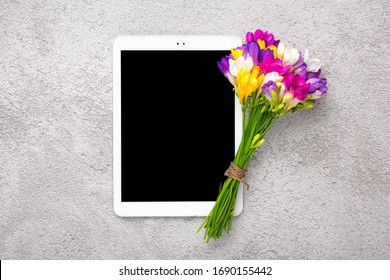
(177,125)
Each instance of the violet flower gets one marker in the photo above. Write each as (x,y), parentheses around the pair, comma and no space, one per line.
(268,87)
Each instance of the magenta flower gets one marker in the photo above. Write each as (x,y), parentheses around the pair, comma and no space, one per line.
(271,64)
(296,85)
(268,38)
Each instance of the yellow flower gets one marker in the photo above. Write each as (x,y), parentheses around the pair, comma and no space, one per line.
(273,48)
(247,82)
(237,53)
(261,44)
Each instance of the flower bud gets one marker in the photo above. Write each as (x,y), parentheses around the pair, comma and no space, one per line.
(308,106)
(280,51)
(258,144)
(287,97)
(255,139)
(279,107)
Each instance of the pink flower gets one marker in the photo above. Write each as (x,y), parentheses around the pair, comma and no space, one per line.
(271,64)
(259,34)
(296,85)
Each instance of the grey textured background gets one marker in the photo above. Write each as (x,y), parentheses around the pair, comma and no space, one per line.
(321,181)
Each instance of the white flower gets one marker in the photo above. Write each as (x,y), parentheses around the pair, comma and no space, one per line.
(240,63)
(313,64)
(280,51)
(291,56)
(291,103)
(272,76)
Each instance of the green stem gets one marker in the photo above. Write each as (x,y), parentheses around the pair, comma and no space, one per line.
(221,215)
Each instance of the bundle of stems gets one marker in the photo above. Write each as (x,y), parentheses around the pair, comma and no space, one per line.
(258,115)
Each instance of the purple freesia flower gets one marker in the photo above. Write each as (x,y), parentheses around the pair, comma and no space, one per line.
(302,73)
(252,49)
(268,87)
(313,74)
(223,65)
(300,69)
(317,86)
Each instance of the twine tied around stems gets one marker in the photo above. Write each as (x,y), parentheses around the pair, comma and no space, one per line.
(237,173)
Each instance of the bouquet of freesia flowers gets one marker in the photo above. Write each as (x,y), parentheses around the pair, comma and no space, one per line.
(270,80)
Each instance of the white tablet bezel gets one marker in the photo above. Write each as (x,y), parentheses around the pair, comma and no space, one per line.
(129,42)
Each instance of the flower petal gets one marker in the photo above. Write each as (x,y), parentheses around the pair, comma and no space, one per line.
(313,65)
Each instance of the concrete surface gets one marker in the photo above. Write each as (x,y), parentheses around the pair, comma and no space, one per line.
(321,182)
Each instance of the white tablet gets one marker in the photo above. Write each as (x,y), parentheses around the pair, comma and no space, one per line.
(177,124)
